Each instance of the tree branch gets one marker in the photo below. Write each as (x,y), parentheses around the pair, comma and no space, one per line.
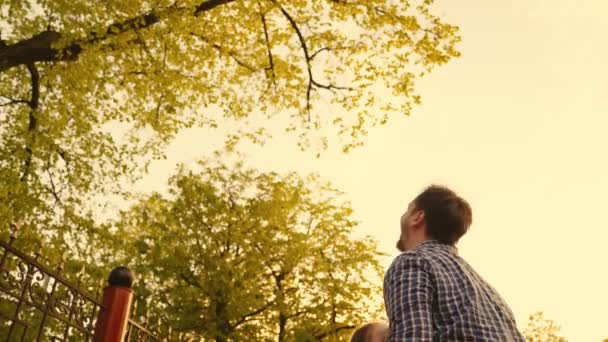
(243,318)
(39,48)
(32,50)
(304,47)
(270,67)
(34,100)
(334,331)
(327,48)
(209,5)
(231,53)
(53,189)
(298,313)
(259,249)
(331,86)
(33,122)
(14,101)
(192,282)
(308,59)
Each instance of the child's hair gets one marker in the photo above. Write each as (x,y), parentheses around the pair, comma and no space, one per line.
(361,333)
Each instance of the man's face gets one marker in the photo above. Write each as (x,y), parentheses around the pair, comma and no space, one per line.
(406,227)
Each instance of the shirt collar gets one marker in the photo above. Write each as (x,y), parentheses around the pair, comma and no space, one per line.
(436,244)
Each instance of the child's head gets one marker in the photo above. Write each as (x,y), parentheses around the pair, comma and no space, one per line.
(371,332)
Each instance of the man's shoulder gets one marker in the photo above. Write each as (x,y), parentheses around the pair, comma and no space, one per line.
(425,256)
(413,259)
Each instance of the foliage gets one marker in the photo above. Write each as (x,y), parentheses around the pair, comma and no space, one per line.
(233,253)
(89,91)
(540,329)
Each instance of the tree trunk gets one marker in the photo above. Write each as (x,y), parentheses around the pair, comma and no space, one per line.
(282,325)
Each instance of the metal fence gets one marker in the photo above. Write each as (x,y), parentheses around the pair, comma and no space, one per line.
(39,304)
(136,332)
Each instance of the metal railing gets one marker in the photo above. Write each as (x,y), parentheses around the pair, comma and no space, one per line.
(137,332)
(39,304)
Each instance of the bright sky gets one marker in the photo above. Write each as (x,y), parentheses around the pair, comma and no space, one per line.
(516,126)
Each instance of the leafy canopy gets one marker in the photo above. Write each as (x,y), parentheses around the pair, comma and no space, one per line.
(90,90)
(235,254)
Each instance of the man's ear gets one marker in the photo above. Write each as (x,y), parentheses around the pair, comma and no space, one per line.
(418,218)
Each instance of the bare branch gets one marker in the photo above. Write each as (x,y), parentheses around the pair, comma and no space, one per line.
(295,27)
(308,58)
(221,49)
(318,51)
(12,102)
(334,48)
(270,67)
(331,86)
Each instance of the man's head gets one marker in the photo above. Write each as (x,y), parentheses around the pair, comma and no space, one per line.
(436,213)
(371,332)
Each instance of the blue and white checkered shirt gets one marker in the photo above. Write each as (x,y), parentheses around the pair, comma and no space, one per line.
(432,294)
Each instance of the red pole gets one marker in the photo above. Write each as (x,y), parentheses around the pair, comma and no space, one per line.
(113,318)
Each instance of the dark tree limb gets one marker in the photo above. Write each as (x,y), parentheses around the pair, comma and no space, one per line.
(39,47)
(33,122)
(35,97)
(270,67)
(246,316)
(13,101)
(230,53)
(312,83)
(209,5)
(334,48)
(304,47)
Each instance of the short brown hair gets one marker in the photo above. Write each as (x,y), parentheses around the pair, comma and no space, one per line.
(360,335)
(447,215)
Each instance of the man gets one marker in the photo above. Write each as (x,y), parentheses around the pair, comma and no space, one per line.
(371,332)
(431,293)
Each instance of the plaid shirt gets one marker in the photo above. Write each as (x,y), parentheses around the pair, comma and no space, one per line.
(432,294)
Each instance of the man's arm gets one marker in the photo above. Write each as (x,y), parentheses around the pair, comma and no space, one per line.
(408,293)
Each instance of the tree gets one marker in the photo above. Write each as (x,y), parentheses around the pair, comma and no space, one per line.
(540,329)
(232,253)
(90,91)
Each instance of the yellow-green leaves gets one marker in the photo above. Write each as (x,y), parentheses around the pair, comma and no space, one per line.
(115,81)
(290,57)
(540,329)
(238,254)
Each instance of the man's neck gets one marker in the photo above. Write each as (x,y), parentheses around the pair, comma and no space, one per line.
(414,244)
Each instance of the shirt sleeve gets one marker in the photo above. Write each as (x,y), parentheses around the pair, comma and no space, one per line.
(408,295)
